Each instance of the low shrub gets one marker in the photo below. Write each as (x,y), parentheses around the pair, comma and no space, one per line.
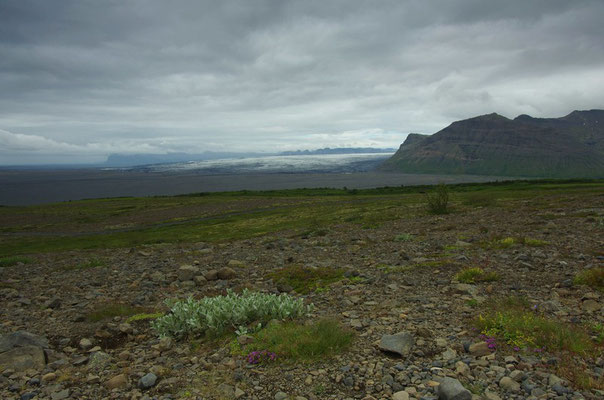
(213,316)
(477,274)
(437,201)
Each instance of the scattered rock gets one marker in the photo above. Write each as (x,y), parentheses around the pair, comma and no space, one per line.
(400,343)
(509,385)
(117,382)
(479,349)
(402,395)
(85,344)
(452,389)
(187,272)
(147,381)
(226,273)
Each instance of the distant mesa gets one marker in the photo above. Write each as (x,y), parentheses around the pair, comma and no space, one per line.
(566,147)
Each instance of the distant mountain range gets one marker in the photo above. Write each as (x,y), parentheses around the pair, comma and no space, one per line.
(566,147)
(129,160)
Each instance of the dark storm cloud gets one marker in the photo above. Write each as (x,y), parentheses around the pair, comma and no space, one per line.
(87,78)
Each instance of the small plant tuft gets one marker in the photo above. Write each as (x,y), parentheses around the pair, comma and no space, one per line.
(110,310)
(438,200)
(213,316)
(403,237)
(144,317)
(593,277)
(477,274)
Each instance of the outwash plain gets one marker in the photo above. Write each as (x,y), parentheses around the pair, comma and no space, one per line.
(495,294)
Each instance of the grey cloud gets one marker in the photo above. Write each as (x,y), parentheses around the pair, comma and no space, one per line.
(272,74)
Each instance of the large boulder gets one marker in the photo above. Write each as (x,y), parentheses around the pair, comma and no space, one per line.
(22,351)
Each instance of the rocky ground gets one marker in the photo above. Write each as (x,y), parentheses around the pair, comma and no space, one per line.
(403,286)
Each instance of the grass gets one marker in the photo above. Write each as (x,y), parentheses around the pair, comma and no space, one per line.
(144,317)
(512,321)
(307,279)
(293,341)
(476,274)
(591,277)
(403,237)
(480,199)
(220,217)
(515,241)
(110,310)
(14,260)
(91,263)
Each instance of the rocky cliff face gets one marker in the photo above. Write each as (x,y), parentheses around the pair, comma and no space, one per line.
(571,146)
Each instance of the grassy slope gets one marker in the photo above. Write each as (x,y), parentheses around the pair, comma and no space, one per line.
(92,224)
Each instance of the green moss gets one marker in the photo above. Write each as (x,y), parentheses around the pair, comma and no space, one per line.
(307,279)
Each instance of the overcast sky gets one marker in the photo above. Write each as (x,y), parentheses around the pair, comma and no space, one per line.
(82,79)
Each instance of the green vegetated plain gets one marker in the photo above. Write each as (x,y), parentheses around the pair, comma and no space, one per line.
(215,217)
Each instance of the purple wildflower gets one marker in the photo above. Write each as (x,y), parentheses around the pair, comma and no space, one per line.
(261,356)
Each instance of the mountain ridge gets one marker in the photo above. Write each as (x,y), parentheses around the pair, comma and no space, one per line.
(491,144)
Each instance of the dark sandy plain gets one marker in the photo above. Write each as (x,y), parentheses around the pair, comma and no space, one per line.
(28,187)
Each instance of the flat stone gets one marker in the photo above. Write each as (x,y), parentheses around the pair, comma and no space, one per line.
(479,349)
(187,272)
(20,339)
(449,354)
(63,394)
(23,358)
(280,396)
(402,395)
(491,396)
(117,382)
(591,306)
(85,344)
(226,273)
(400,343)
(147,381)
(509,385)
(211,275)
(452,389)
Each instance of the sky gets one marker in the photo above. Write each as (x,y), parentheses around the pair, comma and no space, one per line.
(80,79)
